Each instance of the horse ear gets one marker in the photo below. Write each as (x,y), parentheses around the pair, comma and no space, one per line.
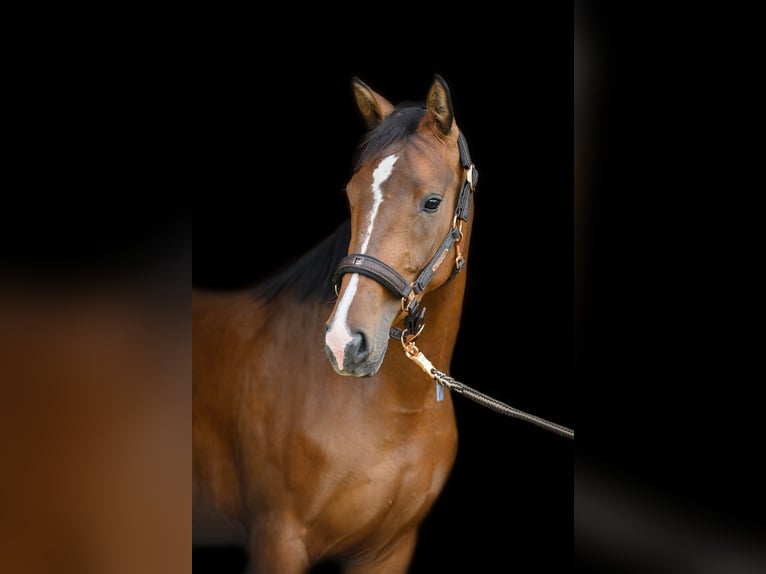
(374,107)
(439,104)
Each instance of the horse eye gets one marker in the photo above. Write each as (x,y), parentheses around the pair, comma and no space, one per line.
(432,204)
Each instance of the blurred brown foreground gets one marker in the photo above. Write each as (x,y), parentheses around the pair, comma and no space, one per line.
(95,454)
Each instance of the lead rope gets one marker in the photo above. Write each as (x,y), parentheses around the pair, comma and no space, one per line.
(413,353)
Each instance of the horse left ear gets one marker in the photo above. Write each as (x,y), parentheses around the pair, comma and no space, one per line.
(374,107)
(439,104)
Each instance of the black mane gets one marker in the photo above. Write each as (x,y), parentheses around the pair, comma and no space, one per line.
(310,276)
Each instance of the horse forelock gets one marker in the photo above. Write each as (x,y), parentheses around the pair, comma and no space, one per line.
(399,126)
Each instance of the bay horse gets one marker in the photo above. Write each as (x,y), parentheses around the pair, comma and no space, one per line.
(313,439)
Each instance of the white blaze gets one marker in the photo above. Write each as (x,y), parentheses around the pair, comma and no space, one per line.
(379,177)
(339,335)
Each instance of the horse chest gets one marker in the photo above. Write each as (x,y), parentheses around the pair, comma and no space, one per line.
(368,499)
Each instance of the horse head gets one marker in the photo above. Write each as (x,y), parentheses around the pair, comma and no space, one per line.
(408,197)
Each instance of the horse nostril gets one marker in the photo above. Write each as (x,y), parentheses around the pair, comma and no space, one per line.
(358,348)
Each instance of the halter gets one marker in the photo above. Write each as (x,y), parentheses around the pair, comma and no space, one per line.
(390,279)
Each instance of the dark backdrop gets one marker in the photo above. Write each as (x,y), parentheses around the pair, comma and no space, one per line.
(276,139)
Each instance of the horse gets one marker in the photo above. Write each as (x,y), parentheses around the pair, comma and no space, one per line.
(317,437)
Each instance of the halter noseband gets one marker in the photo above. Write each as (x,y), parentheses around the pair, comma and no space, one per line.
(398,285)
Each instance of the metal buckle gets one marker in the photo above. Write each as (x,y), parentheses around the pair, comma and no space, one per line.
(406,301)
(472,177)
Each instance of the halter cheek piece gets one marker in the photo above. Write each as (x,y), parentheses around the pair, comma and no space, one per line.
(398,285)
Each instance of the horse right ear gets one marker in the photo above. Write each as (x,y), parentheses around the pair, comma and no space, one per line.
(374,107)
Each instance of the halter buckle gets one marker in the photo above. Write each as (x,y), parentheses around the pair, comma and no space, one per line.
(457,228)
(407,301)
(472,176)
(459,260)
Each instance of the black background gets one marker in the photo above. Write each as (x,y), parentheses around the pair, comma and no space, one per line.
(278,138)
(668,340)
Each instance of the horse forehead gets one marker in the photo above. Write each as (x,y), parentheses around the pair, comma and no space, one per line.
(403,169)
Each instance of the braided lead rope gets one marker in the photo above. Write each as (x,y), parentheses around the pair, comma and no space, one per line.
(420,359)
(499,406)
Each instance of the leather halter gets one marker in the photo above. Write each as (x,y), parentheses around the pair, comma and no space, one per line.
(398,285)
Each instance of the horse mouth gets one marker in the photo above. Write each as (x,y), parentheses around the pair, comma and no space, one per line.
(349,363)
